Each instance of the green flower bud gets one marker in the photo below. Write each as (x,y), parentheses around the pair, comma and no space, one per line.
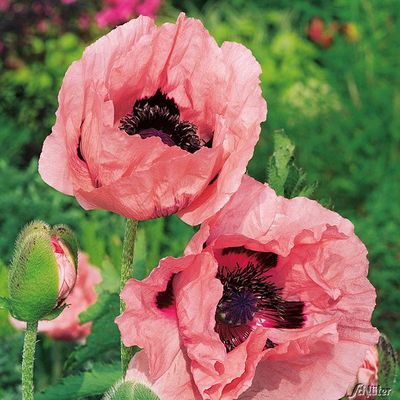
(130,390)
(43,271)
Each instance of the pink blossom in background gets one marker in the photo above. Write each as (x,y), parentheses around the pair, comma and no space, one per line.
(156,121)
(271,301)
(66,326)
(42,26)
(118,11)
(84,21)
(4,5)
(368,373)
(68,1)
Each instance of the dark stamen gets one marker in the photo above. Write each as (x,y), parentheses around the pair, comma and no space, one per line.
(249,299)
(267,259)
(79,150)
(159,116)
(232,336)
(269,344)
(166,298)
(214,179)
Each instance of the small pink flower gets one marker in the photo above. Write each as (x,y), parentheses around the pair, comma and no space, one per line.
(67,326)
(367,375)
(42,26)
(4,5)
(271,301)
(155,121)
(117,11)
(84,21)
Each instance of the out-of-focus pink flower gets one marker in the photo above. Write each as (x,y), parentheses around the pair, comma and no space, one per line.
(68,1)
(66,326)
(4,5)
(84,21)
(42,26)
(155,121)
(118,11)
(367,375)
(271,301)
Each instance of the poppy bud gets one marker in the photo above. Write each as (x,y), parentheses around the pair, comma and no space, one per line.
(43,271)
(130,390)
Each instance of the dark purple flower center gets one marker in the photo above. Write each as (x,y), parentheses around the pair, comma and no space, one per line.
(250,299)
(166,299)
(238,309)
(159,116)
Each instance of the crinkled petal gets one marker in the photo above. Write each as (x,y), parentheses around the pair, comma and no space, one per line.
(175,383)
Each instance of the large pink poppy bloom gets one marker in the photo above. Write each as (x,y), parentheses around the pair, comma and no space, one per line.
(67,326)
(271,301)
(155,121)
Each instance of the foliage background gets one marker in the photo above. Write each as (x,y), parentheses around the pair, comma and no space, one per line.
(339,104)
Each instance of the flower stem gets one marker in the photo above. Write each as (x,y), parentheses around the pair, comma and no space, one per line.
(28,357)
(128,252)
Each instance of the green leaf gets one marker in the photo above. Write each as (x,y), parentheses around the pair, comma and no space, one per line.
(104,336)
(387,363)
(282,173)
(10,363)
(278,168)
(89,383)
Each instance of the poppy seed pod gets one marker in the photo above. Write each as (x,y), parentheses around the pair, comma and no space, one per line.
(43,271)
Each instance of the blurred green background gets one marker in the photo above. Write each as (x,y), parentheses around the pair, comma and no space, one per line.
(331,75)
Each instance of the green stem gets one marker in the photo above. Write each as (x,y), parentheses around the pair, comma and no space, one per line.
(128,252)
(28,357)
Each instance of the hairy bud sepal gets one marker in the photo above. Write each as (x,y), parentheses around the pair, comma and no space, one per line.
(130,390)
(43,271)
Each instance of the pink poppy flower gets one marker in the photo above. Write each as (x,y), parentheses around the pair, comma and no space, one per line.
(4,5)
(367,375)
(67,326)
(155,121)
(117,11)
(271,301)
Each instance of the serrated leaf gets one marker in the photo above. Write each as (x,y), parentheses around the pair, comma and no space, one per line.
(89,383)
(104,337)
(278,169)
(282,173)
(387,363)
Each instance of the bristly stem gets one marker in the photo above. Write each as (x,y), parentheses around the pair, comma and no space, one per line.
(28,357)
(128,252)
